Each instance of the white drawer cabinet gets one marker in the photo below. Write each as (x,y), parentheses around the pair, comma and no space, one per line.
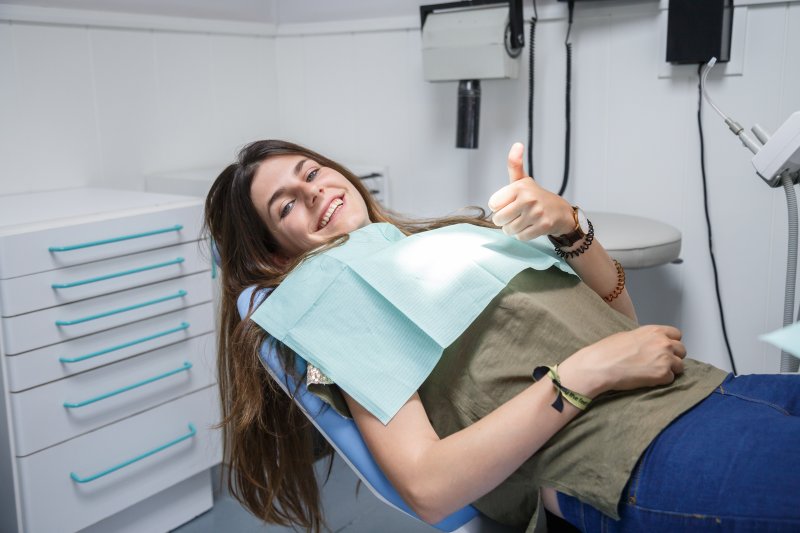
(57,287)
(60,410)
(54,502)
(91,227)
(22,333)
(57,361)
(107,355)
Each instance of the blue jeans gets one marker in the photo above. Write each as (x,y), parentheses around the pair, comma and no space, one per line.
(731,463)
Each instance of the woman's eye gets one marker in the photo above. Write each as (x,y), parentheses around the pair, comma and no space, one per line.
(311,175)
(288,207)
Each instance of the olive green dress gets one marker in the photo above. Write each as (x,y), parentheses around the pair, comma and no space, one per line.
(541,318)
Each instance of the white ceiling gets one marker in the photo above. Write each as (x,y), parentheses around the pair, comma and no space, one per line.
(264,11)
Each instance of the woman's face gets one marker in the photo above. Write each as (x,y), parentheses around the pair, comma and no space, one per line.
(305,204)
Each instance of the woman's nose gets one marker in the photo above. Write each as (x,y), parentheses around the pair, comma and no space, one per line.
(315,194)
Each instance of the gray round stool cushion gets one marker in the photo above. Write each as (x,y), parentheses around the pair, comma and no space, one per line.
(636,242)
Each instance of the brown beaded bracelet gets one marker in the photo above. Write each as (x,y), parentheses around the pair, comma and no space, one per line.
(620,283)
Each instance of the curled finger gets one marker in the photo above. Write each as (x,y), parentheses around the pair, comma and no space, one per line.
(529,233)
(679,349)
(672,332)
(502,198)
(518,225)
(505,216)
(676,366)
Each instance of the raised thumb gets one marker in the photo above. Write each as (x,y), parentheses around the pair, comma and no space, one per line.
(515,170)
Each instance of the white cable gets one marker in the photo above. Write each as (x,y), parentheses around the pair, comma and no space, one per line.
(708,68)
(734,126)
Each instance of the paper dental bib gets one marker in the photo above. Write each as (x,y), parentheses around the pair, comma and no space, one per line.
(376,313)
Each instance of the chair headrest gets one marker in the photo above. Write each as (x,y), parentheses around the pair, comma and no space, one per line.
(243,301)
(215,254)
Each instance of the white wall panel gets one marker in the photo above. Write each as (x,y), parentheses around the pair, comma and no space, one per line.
(291,78)
(592,142)
(244,84)
(185,102)
(9,115)
(330,99)
(127,111)
(381,66)
(109,106)
(380,83)
(549,125)
(55,141)
(434,179)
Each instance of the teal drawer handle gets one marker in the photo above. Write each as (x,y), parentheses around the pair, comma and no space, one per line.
(176,227)
(72,405)
(86,281)
(184,325)
(180,294)
(76,478)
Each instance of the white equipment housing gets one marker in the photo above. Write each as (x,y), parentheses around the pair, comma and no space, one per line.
(781,153)
(467,45)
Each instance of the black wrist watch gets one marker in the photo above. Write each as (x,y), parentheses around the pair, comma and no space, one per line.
(581,229)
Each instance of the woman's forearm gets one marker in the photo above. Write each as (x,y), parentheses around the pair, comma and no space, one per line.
(596,268)
(457,470)
(442,476)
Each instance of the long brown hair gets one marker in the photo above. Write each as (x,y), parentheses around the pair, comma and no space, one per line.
(268,444)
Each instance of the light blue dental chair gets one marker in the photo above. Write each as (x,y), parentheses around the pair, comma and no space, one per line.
(344,437)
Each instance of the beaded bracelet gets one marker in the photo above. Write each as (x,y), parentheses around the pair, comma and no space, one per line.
(620,283)
(587,241)
(578,400)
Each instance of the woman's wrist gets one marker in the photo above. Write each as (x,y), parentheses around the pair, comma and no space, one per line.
(577,248)
(580,379)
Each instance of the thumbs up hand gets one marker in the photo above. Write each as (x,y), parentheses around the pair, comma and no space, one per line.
(524,209)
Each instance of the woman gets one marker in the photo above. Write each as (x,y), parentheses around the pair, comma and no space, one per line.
(479,430)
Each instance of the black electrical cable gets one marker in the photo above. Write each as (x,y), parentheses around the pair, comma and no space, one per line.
(531,84)
(568,106)
(708,219)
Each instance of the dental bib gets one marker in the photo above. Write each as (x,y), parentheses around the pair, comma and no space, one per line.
(375,313)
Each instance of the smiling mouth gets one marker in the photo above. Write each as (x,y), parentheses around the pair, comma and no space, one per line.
(335,204)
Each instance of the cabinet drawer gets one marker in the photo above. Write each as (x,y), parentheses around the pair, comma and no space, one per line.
(57,287)
(33,251)
(85,353)
(53,501)
(64,409)
(58,324)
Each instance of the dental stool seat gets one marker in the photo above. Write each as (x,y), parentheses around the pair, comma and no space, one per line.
(636,242)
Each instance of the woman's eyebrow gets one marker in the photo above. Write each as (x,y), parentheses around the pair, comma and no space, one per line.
(274,197)
(297,168)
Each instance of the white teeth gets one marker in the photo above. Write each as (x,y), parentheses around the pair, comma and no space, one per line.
(334,205)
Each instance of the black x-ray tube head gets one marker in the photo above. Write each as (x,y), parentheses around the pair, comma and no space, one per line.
(469,113)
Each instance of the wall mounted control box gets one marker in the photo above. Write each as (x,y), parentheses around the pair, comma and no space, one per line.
(698,30)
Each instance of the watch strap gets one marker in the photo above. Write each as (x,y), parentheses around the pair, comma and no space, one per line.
(568,239)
